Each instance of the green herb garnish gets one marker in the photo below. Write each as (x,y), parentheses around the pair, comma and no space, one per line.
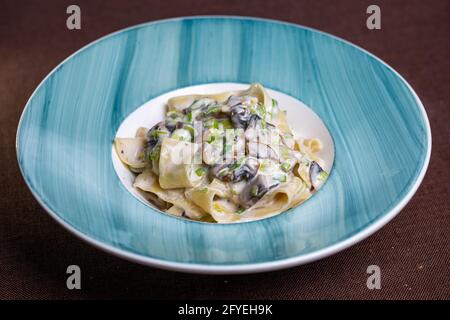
(323,176)
(157,133)
(211,139)
(222,173)
(174,114)
(200,171)
(154,154)
(254,191)
(237,164)
(189,117)
(286,166)
(212,110)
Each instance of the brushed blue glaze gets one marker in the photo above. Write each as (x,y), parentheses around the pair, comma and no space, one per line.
(66,131)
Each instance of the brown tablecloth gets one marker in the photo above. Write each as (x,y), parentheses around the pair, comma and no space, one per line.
(412,251)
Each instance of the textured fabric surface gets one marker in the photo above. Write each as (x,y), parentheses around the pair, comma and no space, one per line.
(412,250)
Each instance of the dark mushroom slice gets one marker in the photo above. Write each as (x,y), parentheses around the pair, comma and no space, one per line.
(240,112)
(242,169)
(155,200)
(235,100)
(172,120)
(212,109)
(221,171)
(317,175)
(155,134)
(199,108)
(262,151)
(260,130)
(256,122)
(256,189)
(153,148)
(240,115)
(199,104)
(246,171)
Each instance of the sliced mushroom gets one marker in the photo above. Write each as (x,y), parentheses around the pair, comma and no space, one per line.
(234,101)
(317,175)
(201,103)
(246,171)
(153,148)
(242,169)
(155,134)
(200,108)
(262,151)
(240,115)
(256,189)
(173,118)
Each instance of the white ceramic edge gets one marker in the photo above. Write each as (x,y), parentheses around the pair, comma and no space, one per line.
(252,267)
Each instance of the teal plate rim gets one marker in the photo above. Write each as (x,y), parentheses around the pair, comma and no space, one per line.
(265,266)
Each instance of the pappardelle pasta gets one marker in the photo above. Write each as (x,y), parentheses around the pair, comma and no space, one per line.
(227,157)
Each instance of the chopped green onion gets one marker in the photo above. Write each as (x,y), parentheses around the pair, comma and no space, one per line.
(214,135)
(261,110)
(212,110)
(254,191)
(274,103)
(286,166)
(222,173)
(240,211)
(264,165)
(154,154)
(189,117)
(211,139)
(157,133)
(323,176)
(217,207)
(237,164)
(174,114)
(200,171)
(263,123)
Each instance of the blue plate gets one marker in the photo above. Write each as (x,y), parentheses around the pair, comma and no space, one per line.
(380,129)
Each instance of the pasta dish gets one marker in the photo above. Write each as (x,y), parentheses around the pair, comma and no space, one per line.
(226,157)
